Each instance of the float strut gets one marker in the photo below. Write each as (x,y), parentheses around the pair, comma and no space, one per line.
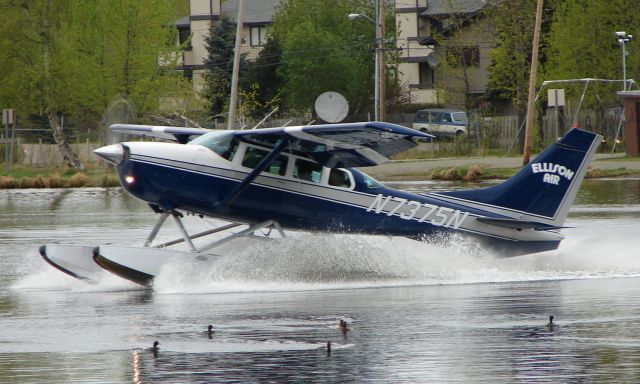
(251,229)
(185,234)
(156,228)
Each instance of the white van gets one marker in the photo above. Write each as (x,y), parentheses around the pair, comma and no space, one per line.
(441,122)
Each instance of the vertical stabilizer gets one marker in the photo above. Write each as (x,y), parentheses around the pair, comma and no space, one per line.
(544,189)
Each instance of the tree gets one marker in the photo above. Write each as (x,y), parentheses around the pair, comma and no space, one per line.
(219,63)
(582,42)
(322,50)
(509,72)
(71,57)
(263,79)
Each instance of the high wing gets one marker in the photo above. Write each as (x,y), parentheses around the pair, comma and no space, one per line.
(332,145)
(340,145)
(180,134)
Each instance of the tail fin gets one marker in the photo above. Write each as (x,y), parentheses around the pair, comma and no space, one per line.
(544,189)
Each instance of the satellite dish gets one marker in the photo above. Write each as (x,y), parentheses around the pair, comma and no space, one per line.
(332,107)
(433,60)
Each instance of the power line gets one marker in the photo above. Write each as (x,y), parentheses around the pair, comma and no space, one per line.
(316,58)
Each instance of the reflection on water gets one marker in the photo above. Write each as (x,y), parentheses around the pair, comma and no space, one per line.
(416,313)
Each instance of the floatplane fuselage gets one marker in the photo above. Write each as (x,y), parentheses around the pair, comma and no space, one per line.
(305,178)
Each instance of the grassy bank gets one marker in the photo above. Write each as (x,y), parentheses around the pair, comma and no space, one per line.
(37,177)
(478,173)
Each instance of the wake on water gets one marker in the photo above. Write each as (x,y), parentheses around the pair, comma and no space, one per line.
(321,262)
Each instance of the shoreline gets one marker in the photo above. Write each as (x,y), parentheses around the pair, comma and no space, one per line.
(471,169)
(492,167)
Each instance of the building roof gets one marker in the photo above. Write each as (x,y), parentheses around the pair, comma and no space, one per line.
(255,11)
(446,7)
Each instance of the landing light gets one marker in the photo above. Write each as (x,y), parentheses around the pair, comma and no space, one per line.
(129,179)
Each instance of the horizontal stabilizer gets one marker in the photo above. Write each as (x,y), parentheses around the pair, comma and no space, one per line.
(517,224)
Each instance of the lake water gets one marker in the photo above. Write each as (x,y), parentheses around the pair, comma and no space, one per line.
(416,312)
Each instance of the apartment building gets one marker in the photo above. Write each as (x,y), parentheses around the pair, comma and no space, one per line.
(257,18)
(428,31)
(420,23)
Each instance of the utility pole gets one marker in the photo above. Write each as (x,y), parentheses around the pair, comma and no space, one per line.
(532,85)
(7,119)
(236,66)
(381,67)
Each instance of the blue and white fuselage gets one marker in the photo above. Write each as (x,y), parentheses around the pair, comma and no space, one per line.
(301,178)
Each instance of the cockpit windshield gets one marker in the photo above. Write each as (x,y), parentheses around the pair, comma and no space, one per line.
(222,143)
(370,182)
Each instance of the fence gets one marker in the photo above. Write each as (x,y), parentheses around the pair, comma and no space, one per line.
(486,134)
(49,155)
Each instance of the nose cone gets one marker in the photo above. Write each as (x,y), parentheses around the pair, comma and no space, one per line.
(111,153)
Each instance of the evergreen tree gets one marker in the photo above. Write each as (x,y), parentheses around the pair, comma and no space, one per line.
(219,63)
(263,76)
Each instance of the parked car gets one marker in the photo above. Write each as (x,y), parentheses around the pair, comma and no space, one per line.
(441,122)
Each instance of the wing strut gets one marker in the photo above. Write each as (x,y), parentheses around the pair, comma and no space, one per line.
(233,195)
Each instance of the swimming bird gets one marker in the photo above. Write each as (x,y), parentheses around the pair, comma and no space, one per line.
(210,330)
(155,348)
(344,326)
(550,325)
(329,348)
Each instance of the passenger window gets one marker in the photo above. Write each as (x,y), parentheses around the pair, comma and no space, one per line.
(306,170)
(339,178)
(279,166)
(253,157)
(446,118)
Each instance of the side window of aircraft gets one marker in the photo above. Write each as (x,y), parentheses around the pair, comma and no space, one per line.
(307,170)
(339,178)
(253,157)
(279,166)
(371,183)
(223,144)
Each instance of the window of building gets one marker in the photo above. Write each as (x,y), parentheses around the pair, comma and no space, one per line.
(463,57)
(187,73)
(184,36)
(427,75)
(258,36)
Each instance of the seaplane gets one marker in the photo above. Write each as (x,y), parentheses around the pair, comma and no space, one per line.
(306,178)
